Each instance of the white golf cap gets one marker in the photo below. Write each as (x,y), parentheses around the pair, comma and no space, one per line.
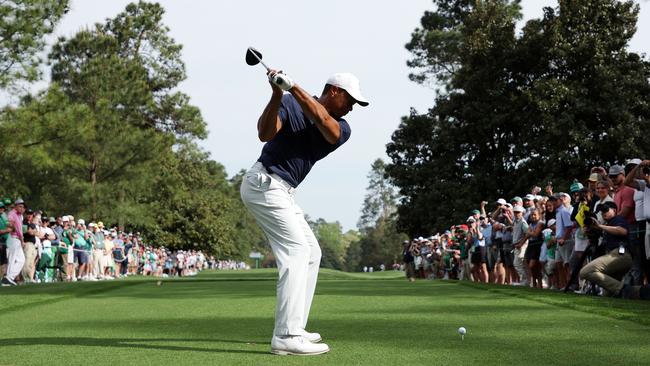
(350,84)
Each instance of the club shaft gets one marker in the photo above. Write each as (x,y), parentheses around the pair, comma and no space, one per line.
(260,60)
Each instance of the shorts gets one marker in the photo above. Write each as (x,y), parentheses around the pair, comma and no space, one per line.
(507,257)
(549,268)
(580,244)
(563,253)
(479,256)
(81,256)
(492,257)
(543,254)
(533,251)
(3,254)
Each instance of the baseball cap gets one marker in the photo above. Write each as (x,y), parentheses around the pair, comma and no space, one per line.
(518,209)
(2,204)
(635,161)
(508,205)
(471,219)
(350,84)
(476,212)
(575,187)
(501,201)
(516,199)
(6,201)
(605,206)
(550,222)
(529,197)
(81,222)
(593,177)
(19,201)
(616,170)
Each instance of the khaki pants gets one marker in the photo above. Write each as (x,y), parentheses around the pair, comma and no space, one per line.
(605,270)
(97,261)
(29,249)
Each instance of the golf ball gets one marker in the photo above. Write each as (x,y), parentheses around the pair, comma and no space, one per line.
(462,330)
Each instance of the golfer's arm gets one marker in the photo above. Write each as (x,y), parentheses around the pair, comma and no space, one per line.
(316,113)
(269,122)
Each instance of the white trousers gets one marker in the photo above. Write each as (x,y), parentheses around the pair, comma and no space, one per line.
(15,257)
(296,250)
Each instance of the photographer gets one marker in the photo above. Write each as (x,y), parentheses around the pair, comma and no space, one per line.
(617,261)
(639,179)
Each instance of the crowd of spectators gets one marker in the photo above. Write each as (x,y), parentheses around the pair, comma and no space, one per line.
(594,239)
(35,248)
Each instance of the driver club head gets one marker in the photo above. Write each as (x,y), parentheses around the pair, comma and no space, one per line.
(253,56)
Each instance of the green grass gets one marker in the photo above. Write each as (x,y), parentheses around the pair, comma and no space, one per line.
(226,318)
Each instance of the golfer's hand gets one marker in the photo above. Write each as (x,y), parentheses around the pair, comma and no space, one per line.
(280,80)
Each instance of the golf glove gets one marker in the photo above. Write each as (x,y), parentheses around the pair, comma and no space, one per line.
(282,81)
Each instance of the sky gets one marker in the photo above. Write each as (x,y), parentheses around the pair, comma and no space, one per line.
(309,40)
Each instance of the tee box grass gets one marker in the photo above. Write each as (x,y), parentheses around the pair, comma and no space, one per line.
(226,318)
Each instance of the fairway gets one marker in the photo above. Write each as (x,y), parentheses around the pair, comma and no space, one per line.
(226,318)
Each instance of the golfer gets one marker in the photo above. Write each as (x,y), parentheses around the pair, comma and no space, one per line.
(299,129)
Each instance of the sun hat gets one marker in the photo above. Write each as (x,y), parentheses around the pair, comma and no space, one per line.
(350,84)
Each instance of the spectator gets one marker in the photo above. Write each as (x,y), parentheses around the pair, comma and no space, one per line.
(534,249)
(623,195)
(498,229)
(29,247)
(520,241)
(581,209)
(15,254)
(564,235)
(529,205)
(479,256)
(4,237)
(507,254)
(98,251)
(549,243)
(639,180)
(617,260)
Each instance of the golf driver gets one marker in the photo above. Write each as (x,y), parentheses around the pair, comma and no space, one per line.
(254,57)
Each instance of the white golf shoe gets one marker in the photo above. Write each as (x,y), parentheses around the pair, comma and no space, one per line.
(312,337)
(296,345)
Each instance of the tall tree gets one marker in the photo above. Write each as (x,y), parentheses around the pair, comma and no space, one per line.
(125,71)
(381,197)
(516,111)
(23,26)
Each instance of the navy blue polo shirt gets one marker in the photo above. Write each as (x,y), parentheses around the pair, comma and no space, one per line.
(298,145)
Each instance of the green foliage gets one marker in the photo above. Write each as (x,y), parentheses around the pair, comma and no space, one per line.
(518,111)
(381,197)
(379,242)
(113,139)
(23,26)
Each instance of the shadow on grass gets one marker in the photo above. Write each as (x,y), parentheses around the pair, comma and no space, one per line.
(128,343)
